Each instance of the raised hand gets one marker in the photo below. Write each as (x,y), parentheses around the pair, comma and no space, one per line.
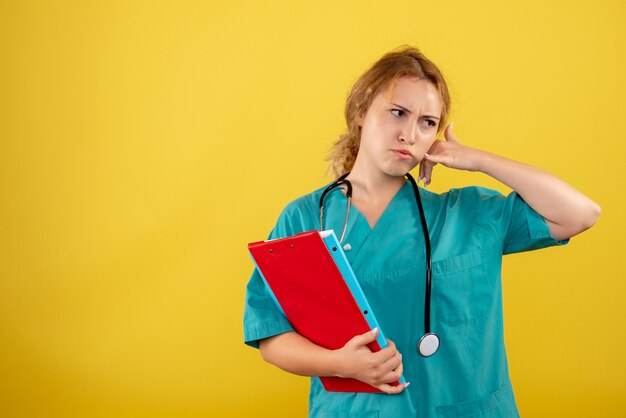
(451,153)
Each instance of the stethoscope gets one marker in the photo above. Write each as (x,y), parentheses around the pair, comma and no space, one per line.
(429,343)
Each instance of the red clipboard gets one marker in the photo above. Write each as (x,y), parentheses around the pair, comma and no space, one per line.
(309,288)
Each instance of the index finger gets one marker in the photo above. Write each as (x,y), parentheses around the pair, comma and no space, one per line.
(428,172)
(392,390)
(388,352)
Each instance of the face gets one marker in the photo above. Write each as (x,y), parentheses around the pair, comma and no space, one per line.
(399,127)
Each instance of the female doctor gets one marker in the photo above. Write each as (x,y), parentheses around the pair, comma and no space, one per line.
(394,113)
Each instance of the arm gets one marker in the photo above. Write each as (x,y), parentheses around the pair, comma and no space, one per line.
(566,210)
(296,354)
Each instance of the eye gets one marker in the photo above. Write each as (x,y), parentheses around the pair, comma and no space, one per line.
(431,123)
(399,114)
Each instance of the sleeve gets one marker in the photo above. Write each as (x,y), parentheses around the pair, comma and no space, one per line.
(521,227)
(262,318)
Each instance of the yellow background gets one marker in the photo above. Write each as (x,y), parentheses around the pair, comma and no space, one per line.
(143,144)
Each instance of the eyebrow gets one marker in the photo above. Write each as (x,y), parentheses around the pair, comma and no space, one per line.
(408,111)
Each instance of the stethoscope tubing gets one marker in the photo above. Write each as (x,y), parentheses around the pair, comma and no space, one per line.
(429,343)
(429,270)
(340,181)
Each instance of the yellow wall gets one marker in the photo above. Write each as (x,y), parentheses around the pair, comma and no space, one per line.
(143,144)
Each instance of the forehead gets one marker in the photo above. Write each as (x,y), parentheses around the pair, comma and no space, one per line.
(412,93)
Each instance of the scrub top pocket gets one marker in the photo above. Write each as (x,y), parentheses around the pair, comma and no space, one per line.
(499,404)
(461,290)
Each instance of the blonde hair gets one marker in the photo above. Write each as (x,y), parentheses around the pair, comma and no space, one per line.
(406,61)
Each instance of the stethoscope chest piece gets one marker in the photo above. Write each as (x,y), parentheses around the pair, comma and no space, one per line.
(428,344)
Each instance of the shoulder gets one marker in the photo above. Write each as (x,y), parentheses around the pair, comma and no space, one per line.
(461,197)
(299,215)
(472,204)
(307,203)
(304,205)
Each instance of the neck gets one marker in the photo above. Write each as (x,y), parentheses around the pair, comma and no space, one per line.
(374,186)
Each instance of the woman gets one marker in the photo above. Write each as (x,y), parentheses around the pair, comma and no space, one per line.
(394,113)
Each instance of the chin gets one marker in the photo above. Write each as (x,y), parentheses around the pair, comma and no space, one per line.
(399,171)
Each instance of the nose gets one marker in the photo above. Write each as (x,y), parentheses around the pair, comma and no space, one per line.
(407,133)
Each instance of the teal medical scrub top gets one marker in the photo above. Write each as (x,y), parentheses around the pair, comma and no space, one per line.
(470,229)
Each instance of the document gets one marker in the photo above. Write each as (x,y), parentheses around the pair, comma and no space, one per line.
(313,284)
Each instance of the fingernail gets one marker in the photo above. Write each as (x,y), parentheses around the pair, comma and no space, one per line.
(375,330)
(427,154)
(400,356)
(451,125)
(419,179)
(406,385)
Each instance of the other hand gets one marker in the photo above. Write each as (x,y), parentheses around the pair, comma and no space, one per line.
(377,369)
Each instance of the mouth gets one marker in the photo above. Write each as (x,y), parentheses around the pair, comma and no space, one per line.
(402,154)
